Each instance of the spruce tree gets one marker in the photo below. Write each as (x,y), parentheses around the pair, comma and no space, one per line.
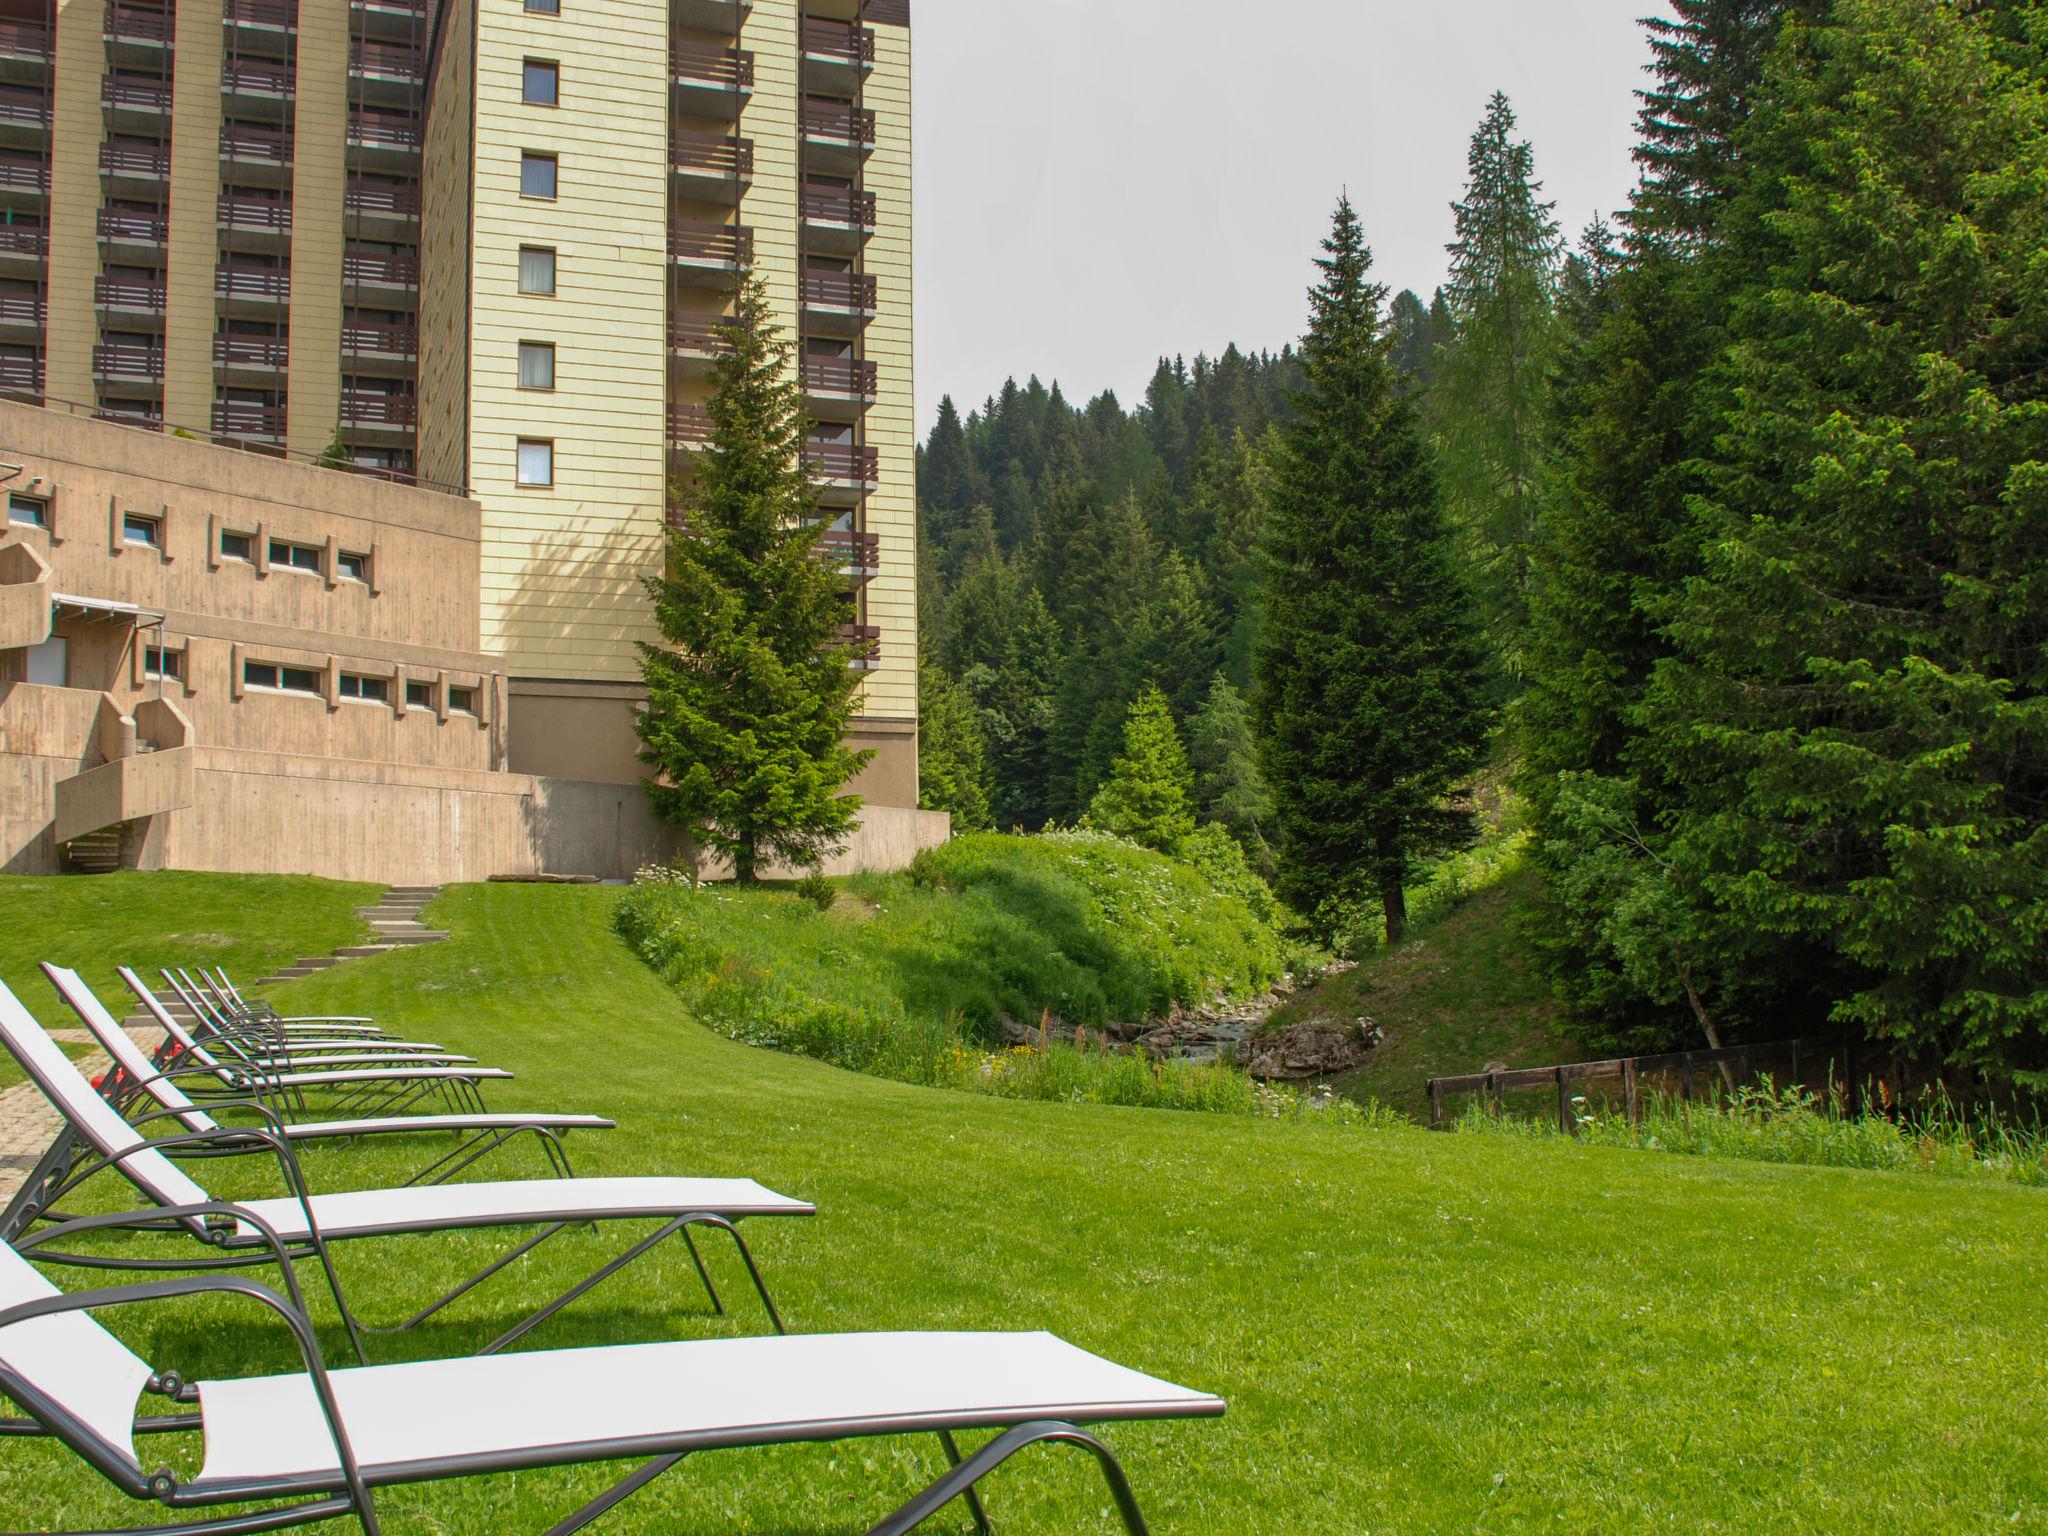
(1149,794)
(752,690)
(1181,652)
(952,758)
(1019,704)
(1230,788)
(1370,673)
(1415,341)
(1491,404)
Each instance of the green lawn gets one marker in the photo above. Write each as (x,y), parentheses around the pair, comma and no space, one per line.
(1416,1333)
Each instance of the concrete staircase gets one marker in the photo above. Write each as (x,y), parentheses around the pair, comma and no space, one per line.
(395,918)
(97,853)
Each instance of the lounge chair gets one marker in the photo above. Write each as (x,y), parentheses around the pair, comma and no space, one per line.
(303,1225)
(317,1445)
(389,1089)
(260,1036)
(230,1000)
(137,1080)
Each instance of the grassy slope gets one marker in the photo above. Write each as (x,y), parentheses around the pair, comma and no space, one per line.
(1457,996)
(92,924)
(1415,1333)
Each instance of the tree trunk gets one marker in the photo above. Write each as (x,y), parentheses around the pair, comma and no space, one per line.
(1707,1026)
(744,869)
(1394,902)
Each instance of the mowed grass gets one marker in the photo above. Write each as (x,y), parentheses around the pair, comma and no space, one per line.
(249,924)
(1415,1333)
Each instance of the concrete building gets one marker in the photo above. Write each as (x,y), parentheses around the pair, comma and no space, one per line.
(475,248)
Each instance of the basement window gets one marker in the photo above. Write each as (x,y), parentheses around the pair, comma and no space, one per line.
(159,662)
(28,511)
(264,674)
(295,557)
(137,529)
(238,546)
(461,701)
(370,690)
(419,695)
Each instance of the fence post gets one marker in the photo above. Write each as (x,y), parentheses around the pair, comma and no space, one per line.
(1628,1092)
(1436,1104)
(1685,1085)
(1493,1092)
(1565,1123)
(1742,1064)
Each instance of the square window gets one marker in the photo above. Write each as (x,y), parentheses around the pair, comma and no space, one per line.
(542,84)
(238,546)
(298,679)
(28,511)
(536,461)
(136,529)
(295,557)
(258,674)
(536,174)
(536,269)
(544,7)
(419,695)
(536,365)
(372,690)
(462,701)
(159,662)
(350,567)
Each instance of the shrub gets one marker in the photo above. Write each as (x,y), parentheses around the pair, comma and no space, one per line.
(818,891)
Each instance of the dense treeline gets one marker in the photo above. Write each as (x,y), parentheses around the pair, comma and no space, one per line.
(1745,494)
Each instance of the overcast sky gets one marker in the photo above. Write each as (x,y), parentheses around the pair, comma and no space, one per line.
(1100,182)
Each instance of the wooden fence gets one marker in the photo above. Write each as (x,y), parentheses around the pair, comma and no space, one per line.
(1738,1060)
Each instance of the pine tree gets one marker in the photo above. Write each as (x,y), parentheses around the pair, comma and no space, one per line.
(1229,787)
(1491,404)
(952,758)
(1149,794)
(1370,674)
(1181,652)
(751,693)
(1416,340)
(1019,703)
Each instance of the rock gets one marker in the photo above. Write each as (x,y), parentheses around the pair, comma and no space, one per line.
(1314,1048)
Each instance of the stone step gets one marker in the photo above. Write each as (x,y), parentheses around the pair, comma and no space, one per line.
(289,973)
(424,936)
(389,914)
(360,951)
(423,892)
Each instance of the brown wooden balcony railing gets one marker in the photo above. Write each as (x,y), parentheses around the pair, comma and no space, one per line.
(263,13)
(720,244)
(26,173)
(254,213)
(397,7)
(362,408)
(253,283)
(24,104)
(840,376)
(150,95)
(233,351)
(843,461)
(126,361)
(860,551)
(19,240)
(709,64)
(365,197)
(22,373)
(145,414)
(139,24)
(389,59)
(243,141)
(257,77)
(713,154)
(25,40)
(839,290)
(838,205)
(137,228)
(840,41)
(383,132)
(391,340)
(376,267)
(698,334)
(128,160)
(862,636)
(236,418)
(22,308)
(126,293)
(852,125)
(689,424)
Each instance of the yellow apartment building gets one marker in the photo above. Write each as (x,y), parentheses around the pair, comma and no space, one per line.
(474,252)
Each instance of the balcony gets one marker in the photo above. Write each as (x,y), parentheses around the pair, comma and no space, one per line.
(25,42)
(366,410)
(128,296)
(837,303)
(25,173)
(136,105)
(235,353)
(366,339)
(709,255)
(859,555)
(843,467)
(264,15)
(133,239)
(837,220)
(837,55)
(838,138)
(128,361)
(146,414)
(128,167)
(24,114)
(396,20)
(389,142)
(22,246)
(139,25)
(381,211)
(257,82)
(22,312)
(267,151)
(689,427)
(253,223)
(694,343)
(839,388)
(860,641)
(725,16)
(394,64)
(374,269)
(711,167)
(21,375)
(252,290)
(710,81)
(237,418)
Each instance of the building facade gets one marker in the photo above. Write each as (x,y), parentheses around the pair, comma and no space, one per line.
(473,250)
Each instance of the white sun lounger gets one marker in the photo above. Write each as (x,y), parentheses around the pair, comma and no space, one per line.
(262,1038)
(387,1088)
(138,1080)
(222,988)
(303,1224)
(316,1445)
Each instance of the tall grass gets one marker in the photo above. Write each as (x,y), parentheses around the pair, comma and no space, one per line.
(1769,1123)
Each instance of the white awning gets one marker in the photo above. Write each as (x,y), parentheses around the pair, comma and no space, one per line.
(104,608)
